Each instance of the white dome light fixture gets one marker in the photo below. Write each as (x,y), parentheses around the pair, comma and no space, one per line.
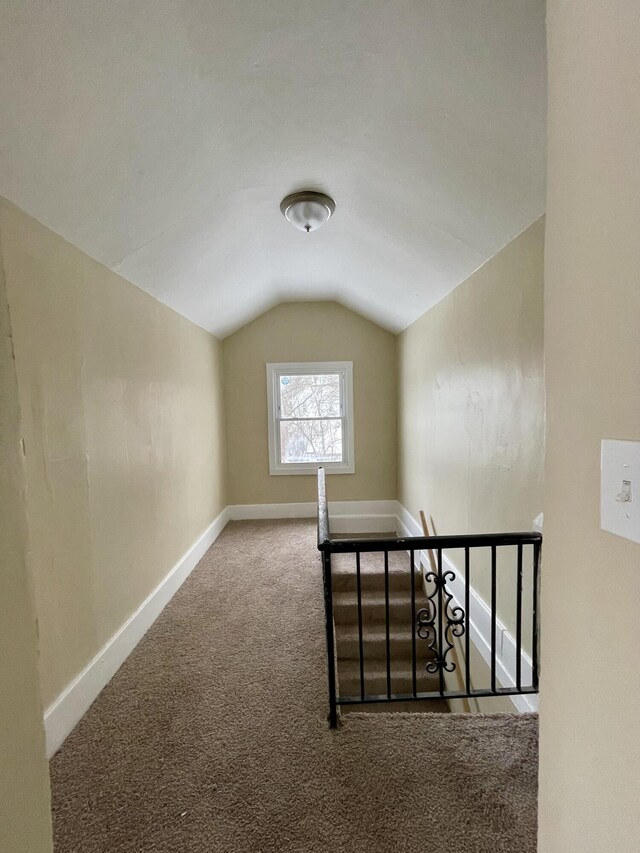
(307,210)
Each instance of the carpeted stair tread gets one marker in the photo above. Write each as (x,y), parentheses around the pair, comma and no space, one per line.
(345,608)
(391,534)
(375,643)
(371,562)
(375,679)
(345,580)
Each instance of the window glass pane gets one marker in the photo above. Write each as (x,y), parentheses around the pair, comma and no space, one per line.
(316,395)
(311,441)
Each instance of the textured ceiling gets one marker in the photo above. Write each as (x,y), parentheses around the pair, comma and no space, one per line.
(160,137)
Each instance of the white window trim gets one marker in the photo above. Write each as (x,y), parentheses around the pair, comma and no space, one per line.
(274,371)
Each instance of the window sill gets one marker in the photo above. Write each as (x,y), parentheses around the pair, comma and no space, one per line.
(310,470)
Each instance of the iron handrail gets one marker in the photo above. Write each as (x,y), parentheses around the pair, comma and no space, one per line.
(431,543)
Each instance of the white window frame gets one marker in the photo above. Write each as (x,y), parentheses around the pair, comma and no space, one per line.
(278,369)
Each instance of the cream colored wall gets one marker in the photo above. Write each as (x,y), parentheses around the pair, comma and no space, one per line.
(471,416)
(590,688)
(25,821)
(123,425)
(471,403)
(310,331)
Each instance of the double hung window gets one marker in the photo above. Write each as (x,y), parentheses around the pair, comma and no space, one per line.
(310,417)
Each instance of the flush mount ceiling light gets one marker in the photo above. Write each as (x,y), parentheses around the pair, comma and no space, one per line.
(307,210)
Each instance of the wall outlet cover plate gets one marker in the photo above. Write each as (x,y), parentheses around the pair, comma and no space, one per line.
(620,488)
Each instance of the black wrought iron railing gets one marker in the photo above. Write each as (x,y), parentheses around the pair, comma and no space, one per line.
(437,618)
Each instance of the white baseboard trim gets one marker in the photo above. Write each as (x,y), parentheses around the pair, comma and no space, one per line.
(363,524)
(345,516)
(480,623)
(74,701)
(363,516)
(250,512)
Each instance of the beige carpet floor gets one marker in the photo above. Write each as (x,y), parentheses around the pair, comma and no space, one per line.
(213,735)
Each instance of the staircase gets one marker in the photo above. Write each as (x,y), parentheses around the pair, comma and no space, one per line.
(345,601)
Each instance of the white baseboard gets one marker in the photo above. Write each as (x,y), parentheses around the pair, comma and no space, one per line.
(74,701)
(345,516)
(363,516)
(249,512)
(380,523)
(480,623)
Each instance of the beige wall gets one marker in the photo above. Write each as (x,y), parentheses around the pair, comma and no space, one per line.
(310,331)
(25,822)
(123,425)
(590,689)
(471,404)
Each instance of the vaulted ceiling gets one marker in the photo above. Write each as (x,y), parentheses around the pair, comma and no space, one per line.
(159,136)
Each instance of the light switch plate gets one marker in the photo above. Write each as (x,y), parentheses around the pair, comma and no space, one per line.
(620,488)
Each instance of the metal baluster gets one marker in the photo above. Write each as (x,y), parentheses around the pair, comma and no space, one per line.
(519,623)
(440,618)
(360,640)
(536,581)
(493,618)
(331,662)
(467,660)
(386,602)
(413,623)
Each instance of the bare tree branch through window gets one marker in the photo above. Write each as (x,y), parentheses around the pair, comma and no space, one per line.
(311,428)
(310,408)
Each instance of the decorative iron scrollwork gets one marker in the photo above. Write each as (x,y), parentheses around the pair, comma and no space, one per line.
(453,618)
